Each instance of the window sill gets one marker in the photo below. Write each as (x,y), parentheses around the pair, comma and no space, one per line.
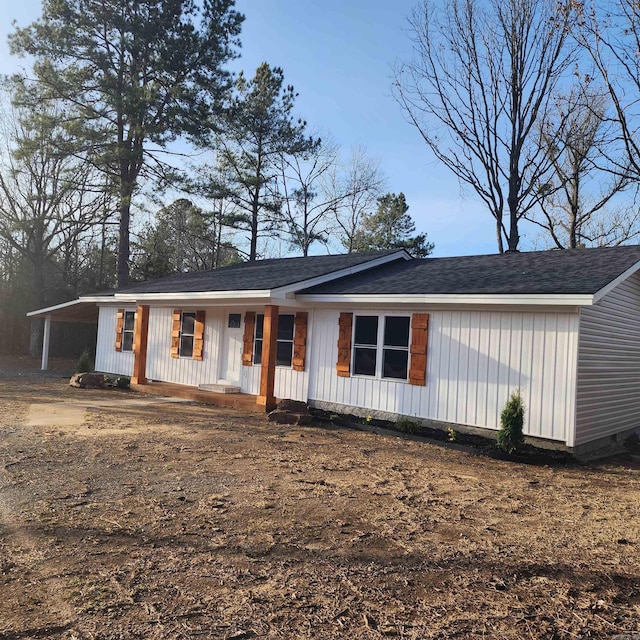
(379,378)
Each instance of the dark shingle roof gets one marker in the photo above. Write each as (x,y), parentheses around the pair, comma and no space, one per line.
(579,271)
(261,274)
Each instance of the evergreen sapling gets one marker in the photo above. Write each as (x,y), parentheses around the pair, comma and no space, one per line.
(510,437)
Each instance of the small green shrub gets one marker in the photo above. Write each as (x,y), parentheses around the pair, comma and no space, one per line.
(84,362)
(452,434)
(123,382)
(510,437)
(405,425)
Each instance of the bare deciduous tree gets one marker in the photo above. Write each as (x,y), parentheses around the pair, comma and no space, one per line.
(576,202)
(480,80)
(355,186)
(306,203)
(610,32)
(49,197)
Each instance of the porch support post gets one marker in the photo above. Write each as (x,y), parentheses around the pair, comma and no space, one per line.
(45,343)
(140,335)
(269,349)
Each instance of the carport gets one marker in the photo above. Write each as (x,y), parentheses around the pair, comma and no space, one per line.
(83,310)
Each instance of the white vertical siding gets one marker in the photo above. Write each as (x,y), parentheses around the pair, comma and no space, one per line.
(161,366)
(250,381)
(608,390)
(475,360)
(108,360)
(289,384)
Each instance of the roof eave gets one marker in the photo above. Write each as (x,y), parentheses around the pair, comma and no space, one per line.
(473,299)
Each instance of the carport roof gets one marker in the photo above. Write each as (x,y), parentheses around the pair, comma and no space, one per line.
(80,310)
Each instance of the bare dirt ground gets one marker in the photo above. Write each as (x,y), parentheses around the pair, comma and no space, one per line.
(123,516)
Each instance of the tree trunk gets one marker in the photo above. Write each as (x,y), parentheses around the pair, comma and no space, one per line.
(514,236)
(499,237)
(39,301)
(35,336)
(123,239)
(253,251)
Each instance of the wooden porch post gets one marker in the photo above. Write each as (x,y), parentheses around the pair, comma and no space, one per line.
(45,343)
(268,366)
(140,335)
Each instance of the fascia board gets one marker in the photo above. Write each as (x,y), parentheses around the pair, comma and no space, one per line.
(196,296)
(458,299)
(328,277)
(614,283)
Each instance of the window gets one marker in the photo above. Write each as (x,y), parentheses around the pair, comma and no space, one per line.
(128,330)
(395,352)
(365,346)
(391,349)
(257,344)
(284,346)
(284,349)
(234,320)
(187,331)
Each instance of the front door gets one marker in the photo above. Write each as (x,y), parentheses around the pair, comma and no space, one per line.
(232,349)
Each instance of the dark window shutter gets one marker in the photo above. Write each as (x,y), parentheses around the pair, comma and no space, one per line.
(300,341)
(175,333)
(419,339)
(198,336)
(119,329)
(345,329)
(247,339)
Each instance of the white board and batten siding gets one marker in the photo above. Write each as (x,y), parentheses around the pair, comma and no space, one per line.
(160,366)
(289,384)
(475,360)
(187,371)
(608,388)
(108,360)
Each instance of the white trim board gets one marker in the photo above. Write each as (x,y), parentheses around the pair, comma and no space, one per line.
(571,300)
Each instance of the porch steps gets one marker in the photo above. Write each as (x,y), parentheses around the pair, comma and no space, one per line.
(240,401)
(221,387)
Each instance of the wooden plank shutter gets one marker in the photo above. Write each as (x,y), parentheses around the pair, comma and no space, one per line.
(198,336)
(175,333)
(247,339)
(419,338)
(300,341)
(345,327)
(119,329)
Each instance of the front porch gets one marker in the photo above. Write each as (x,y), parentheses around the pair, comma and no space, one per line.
(241,401)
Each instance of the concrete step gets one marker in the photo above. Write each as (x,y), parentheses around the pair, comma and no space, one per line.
(220,388)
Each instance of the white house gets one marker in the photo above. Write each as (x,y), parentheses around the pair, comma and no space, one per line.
(442,340)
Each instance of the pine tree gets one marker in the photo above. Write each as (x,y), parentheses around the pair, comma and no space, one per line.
(391,227)
(259,129)
(134,75)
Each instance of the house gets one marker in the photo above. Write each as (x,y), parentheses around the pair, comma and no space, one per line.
(442,340)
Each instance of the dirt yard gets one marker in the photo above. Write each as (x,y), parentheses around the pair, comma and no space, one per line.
(124,516)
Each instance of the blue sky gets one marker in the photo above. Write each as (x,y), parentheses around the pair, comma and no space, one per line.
(339,55)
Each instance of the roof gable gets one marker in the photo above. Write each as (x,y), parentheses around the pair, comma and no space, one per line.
(268,274)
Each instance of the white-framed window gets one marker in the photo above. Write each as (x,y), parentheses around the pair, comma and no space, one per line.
(381,346)
(187,333)
(128,328)
(284,346)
